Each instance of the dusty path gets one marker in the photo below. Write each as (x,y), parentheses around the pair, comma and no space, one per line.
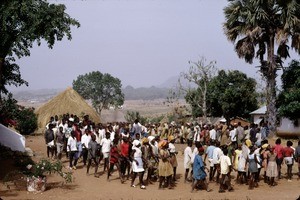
(89,187)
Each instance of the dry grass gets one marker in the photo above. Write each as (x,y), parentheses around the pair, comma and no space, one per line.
(68,101)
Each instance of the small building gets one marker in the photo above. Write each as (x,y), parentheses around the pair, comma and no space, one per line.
(285,127)
(259,115)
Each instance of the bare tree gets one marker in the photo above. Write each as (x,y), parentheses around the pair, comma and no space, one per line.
(198,76)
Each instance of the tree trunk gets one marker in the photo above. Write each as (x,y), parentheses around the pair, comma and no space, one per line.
(271,108)
(204,106)
(271,89)
(1,76)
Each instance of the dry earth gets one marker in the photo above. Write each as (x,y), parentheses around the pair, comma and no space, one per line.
(89,187)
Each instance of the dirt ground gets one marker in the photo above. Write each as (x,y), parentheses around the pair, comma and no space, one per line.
(89,187)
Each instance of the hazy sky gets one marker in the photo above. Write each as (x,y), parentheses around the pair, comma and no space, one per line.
(141,42)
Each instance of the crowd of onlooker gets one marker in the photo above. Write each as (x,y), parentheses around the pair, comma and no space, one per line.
(149,151)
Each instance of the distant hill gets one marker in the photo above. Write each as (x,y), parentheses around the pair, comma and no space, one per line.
(145,93)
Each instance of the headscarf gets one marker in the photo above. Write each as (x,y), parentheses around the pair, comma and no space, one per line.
(162,143)
(248,143)
(170,138)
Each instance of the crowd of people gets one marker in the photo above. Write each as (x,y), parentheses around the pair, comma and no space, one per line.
(149,152)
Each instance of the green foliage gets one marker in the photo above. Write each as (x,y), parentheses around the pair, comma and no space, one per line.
(26,121)
(254,26)
(256,23)
(12,76)
(193,98)
(103,90)
(231,94)
(11,114)
(24,23)
(44,167)
(8,110)
(288,100)
(131,116)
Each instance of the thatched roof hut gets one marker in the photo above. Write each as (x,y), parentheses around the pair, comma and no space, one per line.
(68,101)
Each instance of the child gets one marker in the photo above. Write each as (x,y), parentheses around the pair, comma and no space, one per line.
(252,160)
(272,171)
(226,167)
(92,155)
(289,159)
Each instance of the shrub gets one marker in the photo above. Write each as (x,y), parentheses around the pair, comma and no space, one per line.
(26,121)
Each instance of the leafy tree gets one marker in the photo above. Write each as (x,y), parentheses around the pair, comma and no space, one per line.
(289,99)
(199,74)
(255,25)
(231,94)
(11,114)
(26,121)
(8,110)
(103,90)
(23,23)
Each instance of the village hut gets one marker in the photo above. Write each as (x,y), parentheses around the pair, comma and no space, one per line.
(68,101)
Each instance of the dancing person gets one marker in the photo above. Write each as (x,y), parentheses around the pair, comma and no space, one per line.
(92,155)
(272,171)
(226,168)
(289,159)
(105,147)
(188,153)
(114,160)
(199,174)
(72,149)
(137,164)
(165,169)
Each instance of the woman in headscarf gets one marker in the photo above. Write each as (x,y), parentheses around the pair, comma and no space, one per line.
(165,169)
(137,163)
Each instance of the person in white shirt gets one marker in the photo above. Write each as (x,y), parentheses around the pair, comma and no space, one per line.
(197,135)
(187,159)
(85,139)
(226,168)
(258,138)
(217,153)
(213,133)
(105,147)
(72,149)
(233,136)
(173,153)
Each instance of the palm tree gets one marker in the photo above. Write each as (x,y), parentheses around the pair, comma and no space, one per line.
(254,26)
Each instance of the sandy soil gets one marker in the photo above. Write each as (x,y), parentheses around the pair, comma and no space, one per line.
(89,187)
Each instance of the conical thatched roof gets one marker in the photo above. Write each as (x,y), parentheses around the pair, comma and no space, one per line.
(68,101)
